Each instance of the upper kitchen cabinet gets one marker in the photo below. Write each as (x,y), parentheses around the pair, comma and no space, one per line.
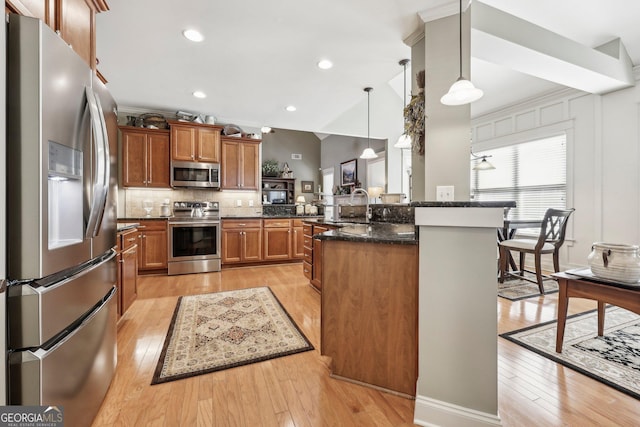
(74,19)
(195,142)
(240,163)
(145,157)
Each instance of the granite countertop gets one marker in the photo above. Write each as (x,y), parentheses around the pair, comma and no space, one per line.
(138,218)
(124,226)
(375,232)
(273,217)
(465,204)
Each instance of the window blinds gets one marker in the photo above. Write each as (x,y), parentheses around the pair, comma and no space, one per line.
(534,174)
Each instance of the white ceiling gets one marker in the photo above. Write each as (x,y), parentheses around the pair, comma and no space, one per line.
(258,56)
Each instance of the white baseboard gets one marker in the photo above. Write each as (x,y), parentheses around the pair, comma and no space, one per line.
(431,413)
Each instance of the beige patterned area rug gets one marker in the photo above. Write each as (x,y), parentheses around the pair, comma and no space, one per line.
(613,359)
(516,289)
(223,330)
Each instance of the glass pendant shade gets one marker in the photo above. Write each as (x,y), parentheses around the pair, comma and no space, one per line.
(368,153)
(461,92)
(403,142)
(484,165)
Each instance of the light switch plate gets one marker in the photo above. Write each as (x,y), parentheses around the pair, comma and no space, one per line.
(444,193)
(296,156)
(250,203)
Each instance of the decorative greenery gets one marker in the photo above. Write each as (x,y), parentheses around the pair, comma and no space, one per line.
(414,117)
(270,168)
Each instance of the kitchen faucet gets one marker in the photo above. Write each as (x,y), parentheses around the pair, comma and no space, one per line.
(363,191)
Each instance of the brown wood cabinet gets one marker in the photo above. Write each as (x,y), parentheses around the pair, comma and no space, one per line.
(195,142)
(240,163)
(153,244)
(312,252)
(277,239)
(369,313)
(145,157)
(127,269)
(75,19)
(241,241)
(297,239)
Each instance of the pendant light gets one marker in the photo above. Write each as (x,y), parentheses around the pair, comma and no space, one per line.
(482,165)
(368,152)
(405,140)
(462,91)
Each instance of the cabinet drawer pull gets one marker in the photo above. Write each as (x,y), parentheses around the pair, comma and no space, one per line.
(133,239)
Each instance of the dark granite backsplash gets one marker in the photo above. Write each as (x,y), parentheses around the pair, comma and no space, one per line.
(283,210)
(398,214)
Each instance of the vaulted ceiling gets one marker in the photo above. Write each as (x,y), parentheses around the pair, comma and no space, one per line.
(258,57)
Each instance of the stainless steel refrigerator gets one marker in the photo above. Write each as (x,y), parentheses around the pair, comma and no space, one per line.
(61,226)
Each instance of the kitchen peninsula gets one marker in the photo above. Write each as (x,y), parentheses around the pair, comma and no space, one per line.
(370,304)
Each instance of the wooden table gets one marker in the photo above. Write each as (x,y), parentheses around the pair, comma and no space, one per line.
(605,292)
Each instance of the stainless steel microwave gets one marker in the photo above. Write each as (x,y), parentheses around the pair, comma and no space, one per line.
(195,174)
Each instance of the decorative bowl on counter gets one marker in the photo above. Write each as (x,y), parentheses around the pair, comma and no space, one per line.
(615,261)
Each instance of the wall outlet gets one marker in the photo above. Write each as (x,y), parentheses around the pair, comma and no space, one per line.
(295,156)
(444,193)
(250,203)
(239,203)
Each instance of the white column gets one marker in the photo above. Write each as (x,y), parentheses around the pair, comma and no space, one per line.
(457,320)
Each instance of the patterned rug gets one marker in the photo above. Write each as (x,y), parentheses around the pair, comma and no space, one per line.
(613,359)
(223,330)
(516,289)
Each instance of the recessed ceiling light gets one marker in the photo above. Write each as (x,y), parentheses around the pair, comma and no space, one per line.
(199,94)
(290,108)
(193,35)
(325,64)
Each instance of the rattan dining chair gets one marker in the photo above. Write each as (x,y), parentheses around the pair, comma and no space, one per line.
(551,238)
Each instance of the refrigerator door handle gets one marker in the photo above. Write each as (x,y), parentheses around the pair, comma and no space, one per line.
(101,172)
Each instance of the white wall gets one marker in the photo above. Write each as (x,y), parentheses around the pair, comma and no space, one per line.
(603,160)
(385,123)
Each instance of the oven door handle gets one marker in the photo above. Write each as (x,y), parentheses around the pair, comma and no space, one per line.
(202,223)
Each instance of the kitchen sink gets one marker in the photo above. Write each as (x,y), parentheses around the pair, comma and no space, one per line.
(357,229)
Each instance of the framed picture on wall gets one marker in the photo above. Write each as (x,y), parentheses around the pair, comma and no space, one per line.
(349,172)
(307,186)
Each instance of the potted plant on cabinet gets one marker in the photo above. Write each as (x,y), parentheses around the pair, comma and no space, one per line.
(270,168)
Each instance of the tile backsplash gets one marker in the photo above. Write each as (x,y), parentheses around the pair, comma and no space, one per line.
(232,203)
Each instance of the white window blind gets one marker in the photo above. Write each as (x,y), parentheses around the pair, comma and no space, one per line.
(534,174)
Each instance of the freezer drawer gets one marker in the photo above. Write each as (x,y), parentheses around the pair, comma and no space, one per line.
(75,373)
(36,314)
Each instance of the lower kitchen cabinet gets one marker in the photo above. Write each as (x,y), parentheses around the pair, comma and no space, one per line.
(241,241)
(277,239)
(127,269)
(297,240)
(153,242)
(312,254)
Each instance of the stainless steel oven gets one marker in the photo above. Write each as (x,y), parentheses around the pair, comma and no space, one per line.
(194,238)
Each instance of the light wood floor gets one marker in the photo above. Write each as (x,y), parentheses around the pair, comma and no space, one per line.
(297,391)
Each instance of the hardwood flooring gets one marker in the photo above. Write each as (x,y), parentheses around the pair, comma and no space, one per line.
(297,390)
